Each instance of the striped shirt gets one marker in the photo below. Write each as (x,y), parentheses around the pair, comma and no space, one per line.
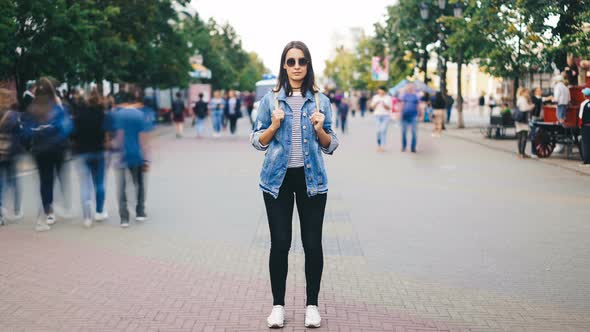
(296,157)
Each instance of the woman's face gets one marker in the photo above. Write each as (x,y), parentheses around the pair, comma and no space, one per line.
(538,92)
(297,72)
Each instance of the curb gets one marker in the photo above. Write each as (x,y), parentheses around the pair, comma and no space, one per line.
(482,142)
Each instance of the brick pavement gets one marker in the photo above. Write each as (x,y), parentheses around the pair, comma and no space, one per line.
(107,280)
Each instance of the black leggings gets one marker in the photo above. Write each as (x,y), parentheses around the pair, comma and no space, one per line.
(50,165)
(280,217)
(522,138)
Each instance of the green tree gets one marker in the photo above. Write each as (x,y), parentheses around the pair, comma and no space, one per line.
(406,35)
(231,66)
(513,37)
(47,37)
(340,69)
(251,73)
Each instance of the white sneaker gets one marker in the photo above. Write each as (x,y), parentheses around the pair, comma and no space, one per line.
(50,219)
(101,216)
(18,215)
(88,223)
(124,224)
(312,316)
(277,317)
(42,226)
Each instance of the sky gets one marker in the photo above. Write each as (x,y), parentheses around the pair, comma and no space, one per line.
(266,26)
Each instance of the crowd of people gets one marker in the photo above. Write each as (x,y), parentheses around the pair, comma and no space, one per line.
(408,107)
(224,109)
(92,131)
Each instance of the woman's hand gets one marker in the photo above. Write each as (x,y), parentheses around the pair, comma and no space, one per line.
(317,119)
(278,116)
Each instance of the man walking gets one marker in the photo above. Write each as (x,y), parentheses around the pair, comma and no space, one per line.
(132,143)
(200,113)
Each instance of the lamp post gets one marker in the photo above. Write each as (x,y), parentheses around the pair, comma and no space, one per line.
(458,13)
(425,14)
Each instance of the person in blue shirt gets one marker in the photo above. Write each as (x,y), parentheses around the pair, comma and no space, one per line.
(409,117)
(131,142)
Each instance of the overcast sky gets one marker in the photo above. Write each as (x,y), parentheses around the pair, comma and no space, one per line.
(266,26)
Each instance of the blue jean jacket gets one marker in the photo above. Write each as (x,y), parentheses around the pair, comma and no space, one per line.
(278,150)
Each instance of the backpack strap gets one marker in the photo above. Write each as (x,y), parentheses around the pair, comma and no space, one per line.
(276,100)
(317,102)
(4,118)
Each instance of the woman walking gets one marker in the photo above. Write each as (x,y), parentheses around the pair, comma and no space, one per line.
(232,110)
(524,106)
(216,106)
(294,126)
(439,105)
(381,104)
(47,127)
(90,136)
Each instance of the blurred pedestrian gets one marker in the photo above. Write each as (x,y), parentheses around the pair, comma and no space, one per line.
(132,142)
(178,114)
(90,136)
(381,104)
(561,96)
(584,115)
(524,106)
(439,105)
(571,71)
(343,113)
(363,103)
(232,111)
(293,170)
(409,116)
(200,113)
(492,104)
(216,106)
(47,128)
(9,148)
(449,106)
(482,103)
(28,96)
(354,103)
(249,100)
(536,116)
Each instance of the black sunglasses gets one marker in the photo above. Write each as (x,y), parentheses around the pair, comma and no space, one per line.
(302,62)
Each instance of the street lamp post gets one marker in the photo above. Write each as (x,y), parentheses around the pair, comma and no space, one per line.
(425,14)
(458,13)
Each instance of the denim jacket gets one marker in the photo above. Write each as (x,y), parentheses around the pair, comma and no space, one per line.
(278,150)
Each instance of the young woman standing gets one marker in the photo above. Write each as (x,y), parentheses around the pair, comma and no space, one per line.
(294,126)
(524,105)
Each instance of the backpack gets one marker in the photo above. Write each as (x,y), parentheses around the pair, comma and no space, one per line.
(45,138)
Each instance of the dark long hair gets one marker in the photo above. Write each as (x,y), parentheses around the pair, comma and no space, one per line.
(45,99)
(309,80)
